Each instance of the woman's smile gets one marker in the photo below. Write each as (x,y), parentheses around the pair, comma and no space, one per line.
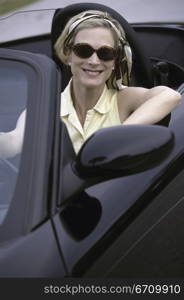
(92,72)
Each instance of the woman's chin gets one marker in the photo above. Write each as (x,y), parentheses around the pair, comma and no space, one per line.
(93,83)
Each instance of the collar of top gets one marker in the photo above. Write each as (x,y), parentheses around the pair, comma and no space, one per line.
(102,106)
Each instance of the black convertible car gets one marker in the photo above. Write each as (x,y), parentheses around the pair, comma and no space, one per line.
(117,208)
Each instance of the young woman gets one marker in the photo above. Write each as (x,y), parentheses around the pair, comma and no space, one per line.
(94,46)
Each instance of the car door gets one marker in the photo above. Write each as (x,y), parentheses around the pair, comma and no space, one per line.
(108,229)
(28,246)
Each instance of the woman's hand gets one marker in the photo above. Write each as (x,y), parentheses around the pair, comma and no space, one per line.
(11,142)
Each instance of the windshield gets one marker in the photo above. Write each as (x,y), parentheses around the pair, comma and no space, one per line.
(14,83)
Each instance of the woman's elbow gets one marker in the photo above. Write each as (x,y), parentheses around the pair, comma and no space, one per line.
(171,96)
(175,97)
(178,97)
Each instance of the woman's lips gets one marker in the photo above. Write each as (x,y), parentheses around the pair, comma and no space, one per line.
(92,72)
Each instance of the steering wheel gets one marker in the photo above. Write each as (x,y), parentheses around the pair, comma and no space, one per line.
(142,73)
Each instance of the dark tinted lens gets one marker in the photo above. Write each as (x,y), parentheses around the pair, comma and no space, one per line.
(106,53)
(83,50)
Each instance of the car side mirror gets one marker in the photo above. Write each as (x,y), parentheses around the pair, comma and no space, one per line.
(124,150)
(117,151)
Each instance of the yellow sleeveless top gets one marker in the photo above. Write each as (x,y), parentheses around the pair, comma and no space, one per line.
(103,114)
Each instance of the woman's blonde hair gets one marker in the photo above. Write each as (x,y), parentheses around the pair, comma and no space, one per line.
(94,19)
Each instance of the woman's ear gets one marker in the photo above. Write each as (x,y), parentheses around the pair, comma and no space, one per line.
(68,59)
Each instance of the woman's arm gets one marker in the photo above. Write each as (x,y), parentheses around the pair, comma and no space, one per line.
(11,142)
(149,106)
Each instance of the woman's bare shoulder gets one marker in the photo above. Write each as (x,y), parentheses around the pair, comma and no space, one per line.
(131,95)
(131,92)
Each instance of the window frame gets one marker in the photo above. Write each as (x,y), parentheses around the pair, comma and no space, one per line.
(33,192)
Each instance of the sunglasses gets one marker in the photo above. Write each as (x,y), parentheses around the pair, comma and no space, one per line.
(84,50)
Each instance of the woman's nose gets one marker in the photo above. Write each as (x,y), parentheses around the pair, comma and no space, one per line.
(94,58)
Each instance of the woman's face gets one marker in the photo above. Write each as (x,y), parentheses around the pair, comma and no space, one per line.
(92,72)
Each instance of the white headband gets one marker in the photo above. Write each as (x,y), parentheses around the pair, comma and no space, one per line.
(83,18)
